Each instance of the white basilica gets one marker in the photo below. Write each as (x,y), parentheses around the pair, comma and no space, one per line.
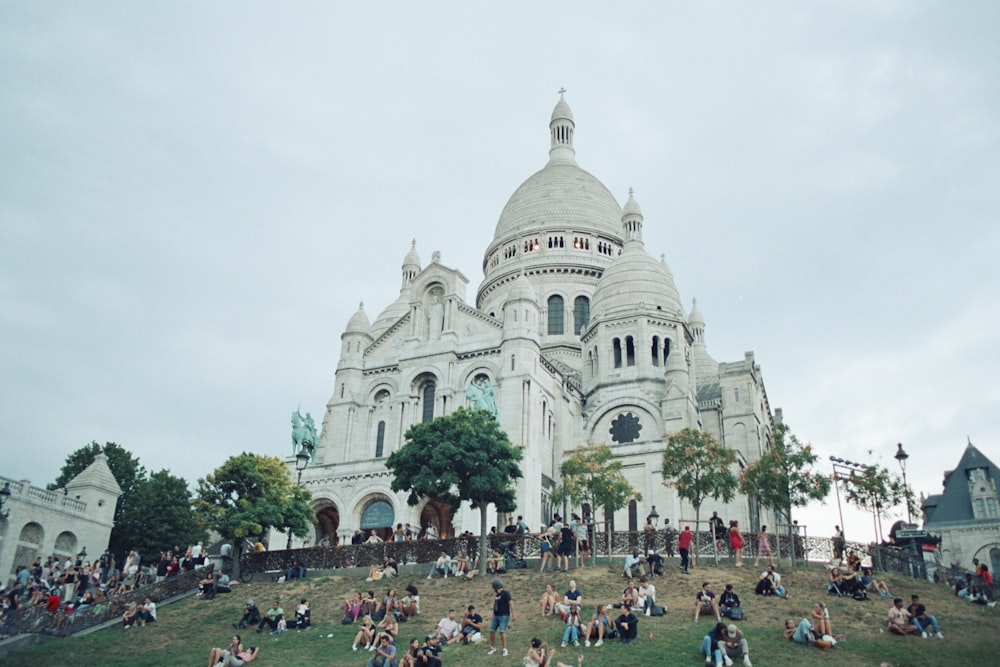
(575,332)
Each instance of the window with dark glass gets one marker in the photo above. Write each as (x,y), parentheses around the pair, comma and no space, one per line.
(556,315)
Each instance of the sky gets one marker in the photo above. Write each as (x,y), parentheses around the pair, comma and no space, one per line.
(195,197)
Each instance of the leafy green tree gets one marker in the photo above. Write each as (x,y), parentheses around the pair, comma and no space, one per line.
(250,494)
(591,475)
(159,515)
(127,471)
(783,477)
(461,456)
(699,468)
(874,489)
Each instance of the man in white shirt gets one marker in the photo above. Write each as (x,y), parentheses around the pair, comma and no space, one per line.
(448,629)
(647,595)
(442,566)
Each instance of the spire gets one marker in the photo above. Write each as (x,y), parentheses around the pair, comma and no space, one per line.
(561,128)
(411,264)
(632,219)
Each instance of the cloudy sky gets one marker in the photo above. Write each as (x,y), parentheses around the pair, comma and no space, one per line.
(194,197)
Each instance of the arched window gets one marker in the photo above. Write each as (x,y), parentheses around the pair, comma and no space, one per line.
(428,401)
(629,351)
(666,350)
(633,516)
(656,351)
(556,315)
(581,313)
(380,440)
(617,345)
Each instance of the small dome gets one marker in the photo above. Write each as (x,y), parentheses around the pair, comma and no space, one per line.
(695,318)
(412,258)
(359,321)
(522,290)
(631,206)
(392,313)
(635,280)
(562,110)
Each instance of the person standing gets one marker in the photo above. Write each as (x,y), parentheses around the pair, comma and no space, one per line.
(736,542)
(763,547)
(503,614)
(567,547)
(838,545)
(684,546)
(670,533)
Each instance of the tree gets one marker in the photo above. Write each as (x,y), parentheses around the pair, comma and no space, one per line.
(127,472)
(699,468)
(158,515)
(462,456)
(248,495)
(876,490)
(782,478)
(591,475)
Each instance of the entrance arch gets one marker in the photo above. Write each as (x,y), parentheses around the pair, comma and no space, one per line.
(438,514)
(377,514)
(327,523)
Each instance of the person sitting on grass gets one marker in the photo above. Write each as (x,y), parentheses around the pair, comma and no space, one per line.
(365,636)
(732,644)
(821,619)
(352,608)
(389,626)
(646,596)
(386,569)
(548,601)
(539,655)
(410,605)
(728,601)
(271,617)
(442,566)
(630,595)
(870,583)
(705,601)
(303,615)
(448,629)
(430,654)
(598,627)
(385,653)
(369,605)
(573,626)
(251,616)
(572,598)
(131,615)
(627,625)
(412,657)
(924,621)
(710,644)
(461,566)
(633,565)
(472,626)
(899,619)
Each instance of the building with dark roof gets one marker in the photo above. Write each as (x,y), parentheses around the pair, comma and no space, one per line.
(966,514)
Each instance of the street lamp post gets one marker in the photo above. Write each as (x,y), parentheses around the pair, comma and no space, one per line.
(901,456)
(301,462)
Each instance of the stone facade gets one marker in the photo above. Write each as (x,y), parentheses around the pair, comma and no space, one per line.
(62,523)
(577,334)
(966,515)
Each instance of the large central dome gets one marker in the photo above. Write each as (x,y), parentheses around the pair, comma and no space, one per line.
(561,220)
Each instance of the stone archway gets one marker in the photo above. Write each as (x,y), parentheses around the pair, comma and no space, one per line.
(438,514)
(327,523)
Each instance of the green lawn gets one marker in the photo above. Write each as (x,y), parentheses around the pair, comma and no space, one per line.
(187,630)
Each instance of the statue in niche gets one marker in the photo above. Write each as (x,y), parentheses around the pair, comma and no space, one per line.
(435,317)
(481,395)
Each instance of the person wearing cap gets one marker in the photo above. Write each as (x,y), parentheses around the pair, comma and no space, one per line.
(684,547)
(503,614)
(251,615)
(732,644)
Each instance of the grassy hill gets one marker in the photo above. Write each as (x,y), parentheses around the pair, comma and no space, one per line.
(187,630)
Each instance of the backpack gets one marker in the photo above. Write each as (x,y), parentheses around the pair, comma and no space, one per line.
(859,595)
(734,613)
(657,610)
